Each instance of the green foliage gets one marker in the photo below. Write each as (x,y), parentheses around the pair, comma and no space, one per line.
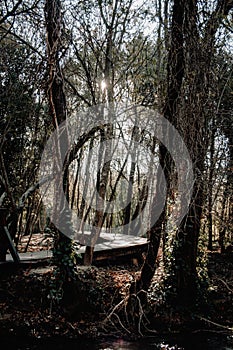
(22,115)
(64,258)
(203,281)
(92,288)
(167,289)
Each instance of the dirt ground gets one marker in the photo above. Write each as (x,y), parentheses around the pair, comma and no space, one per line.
(29,309)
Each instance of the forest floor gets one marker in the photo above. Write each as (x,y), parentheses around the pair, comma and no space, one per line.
(28,306)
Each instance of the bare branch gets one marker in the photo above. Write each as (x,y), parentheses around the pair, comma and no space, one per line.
(3,196)
(7,31)
(11,12)
(31,189)
(223,8)
(214,323)
(6,181)
(76,92)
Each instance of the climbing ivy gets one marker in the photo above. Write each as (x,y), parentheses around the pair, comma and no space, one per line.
(65,254)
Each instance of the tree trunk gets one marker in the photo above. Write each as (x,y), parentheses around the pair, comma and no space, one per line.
(106,136)
(175,75)
(133,153)
(185,252)
(57,109)
(210,187)
(154,234)
(101,186)
(192,123)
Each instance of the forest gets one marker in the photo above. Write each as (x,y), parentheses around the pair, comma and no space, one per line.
(116,159)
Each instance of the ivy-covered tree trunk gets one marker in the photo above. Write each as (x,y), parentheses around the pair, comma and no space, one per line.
(187,98)
(8,216)
(63,252)
(175,73)
(193,119)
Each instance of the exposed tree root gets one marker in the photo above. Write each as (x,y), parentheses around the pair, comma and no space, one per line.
(215,323)
(130,314)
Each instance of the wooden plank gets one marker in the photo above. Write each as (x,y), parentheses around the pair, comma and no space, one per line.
(113,254)
(117,241)
(32,256)
(112,246)
(116,246)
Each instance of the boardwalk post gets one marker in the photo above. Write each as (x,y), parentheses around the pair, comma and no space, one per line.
(5,239)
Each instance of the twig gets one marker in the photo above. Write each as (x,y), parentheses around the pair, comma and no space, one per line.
(148,329)
(225,284)
(209,331)
(215,324)
(114,309)
(31,189)
(70,324)
(113,313)
(121,324)
(141,313)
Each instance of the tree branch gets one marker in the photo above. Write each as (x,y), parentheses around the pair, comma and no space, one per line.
(3,196)
(76,92)
(6,182)
(7,31)
(11,12)
(31,189)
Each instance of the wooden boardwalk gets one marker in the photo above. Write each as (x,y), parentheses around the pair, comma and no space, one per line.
(112,247)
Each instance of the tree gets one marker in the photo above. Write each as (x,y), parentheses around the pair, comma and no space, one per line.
(63,249)
(98,73)
(21,119)
(197,58)
(224,124)
(187,62)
